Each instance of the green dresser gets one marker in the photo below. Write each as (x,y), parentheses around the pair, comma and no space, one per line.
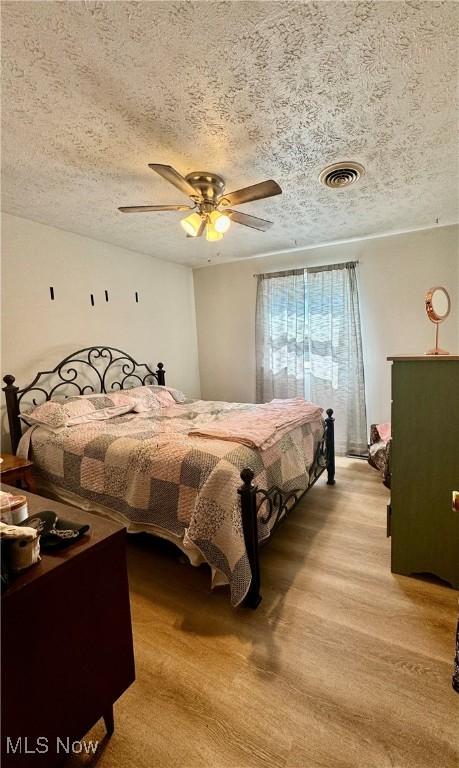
(425,466)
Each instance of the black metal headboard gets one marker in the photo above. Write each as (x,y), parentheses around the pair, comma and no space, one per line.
(90,370)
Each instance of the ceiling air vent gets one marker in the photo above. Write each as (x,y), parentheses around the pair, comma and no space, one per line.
(341,175)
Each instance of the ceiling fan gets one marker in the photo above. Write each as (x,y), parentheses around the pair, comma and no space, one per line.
(211,211)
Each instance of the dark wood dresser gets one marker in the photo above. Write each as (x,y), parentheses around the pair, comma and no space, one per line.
(67,648)
(425,466)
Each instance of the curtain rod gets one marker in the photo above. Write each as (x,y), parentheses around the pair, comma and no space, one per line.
(293,269)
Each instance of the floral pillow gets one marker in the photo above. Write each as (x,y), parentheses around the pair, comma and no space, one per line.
(164,397)
(50,414)
(144,400)
(56,415)
(178,396)
(150,399)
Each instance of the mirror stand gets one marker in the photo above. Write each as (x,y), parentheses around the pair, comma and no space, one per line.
(436,350)
(438,307)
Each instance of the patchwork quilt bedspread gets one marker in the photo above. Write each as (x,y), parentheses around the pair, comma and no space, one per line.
(151,471)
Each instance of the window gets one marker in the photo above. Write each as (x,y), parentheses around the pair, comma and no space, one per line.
(308,343)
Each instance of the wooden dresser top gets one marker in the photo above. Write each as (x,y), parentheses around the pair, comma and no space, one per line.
(424,357)
(101,530)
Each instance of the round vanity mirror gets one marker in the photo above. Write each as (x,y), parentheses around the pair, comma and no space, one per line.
(438,306)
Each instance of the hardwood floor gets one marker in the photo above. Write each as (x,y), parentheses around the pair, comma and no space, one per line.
(343,665)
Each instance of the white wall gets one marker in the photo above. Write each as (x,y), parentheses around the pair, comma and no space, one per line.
(394,273)
(38,333)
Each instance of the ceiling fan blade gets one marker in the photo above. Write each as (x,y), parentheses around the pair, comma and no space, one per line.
(249,221)
(146,208)
(255,192)
(174,177)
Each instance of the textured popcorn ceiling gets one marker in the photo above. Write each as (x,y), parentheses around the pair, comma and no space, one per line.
(93,91)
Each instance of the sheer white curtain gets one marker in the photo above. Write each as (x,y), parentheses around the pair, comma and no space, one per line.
(335,349)
(308,342)
(280,334)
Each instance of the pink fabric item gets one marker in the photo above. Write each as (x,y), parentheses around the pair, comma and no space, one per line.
(264,425)
(384,431)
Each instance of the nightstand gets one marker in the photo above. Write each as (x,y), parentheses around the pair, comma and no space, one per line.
(14,470)
(66,641)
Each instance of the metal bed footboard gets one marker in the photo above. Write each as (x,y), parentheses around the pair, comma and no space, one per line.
(278,504)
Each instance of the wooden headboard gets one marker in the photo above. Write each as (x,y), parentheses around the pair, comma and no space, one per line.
(90,370)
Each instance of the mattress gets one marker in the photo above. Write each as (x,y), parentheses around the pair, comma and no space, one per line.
(149,473)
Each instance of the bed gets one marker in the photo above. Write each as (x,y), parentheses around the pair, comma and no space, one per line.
(153,475)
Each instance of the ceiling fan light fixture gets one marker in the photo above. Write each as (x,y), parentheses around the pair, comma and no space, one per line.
(220,221)
(191,224)
(212,234)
